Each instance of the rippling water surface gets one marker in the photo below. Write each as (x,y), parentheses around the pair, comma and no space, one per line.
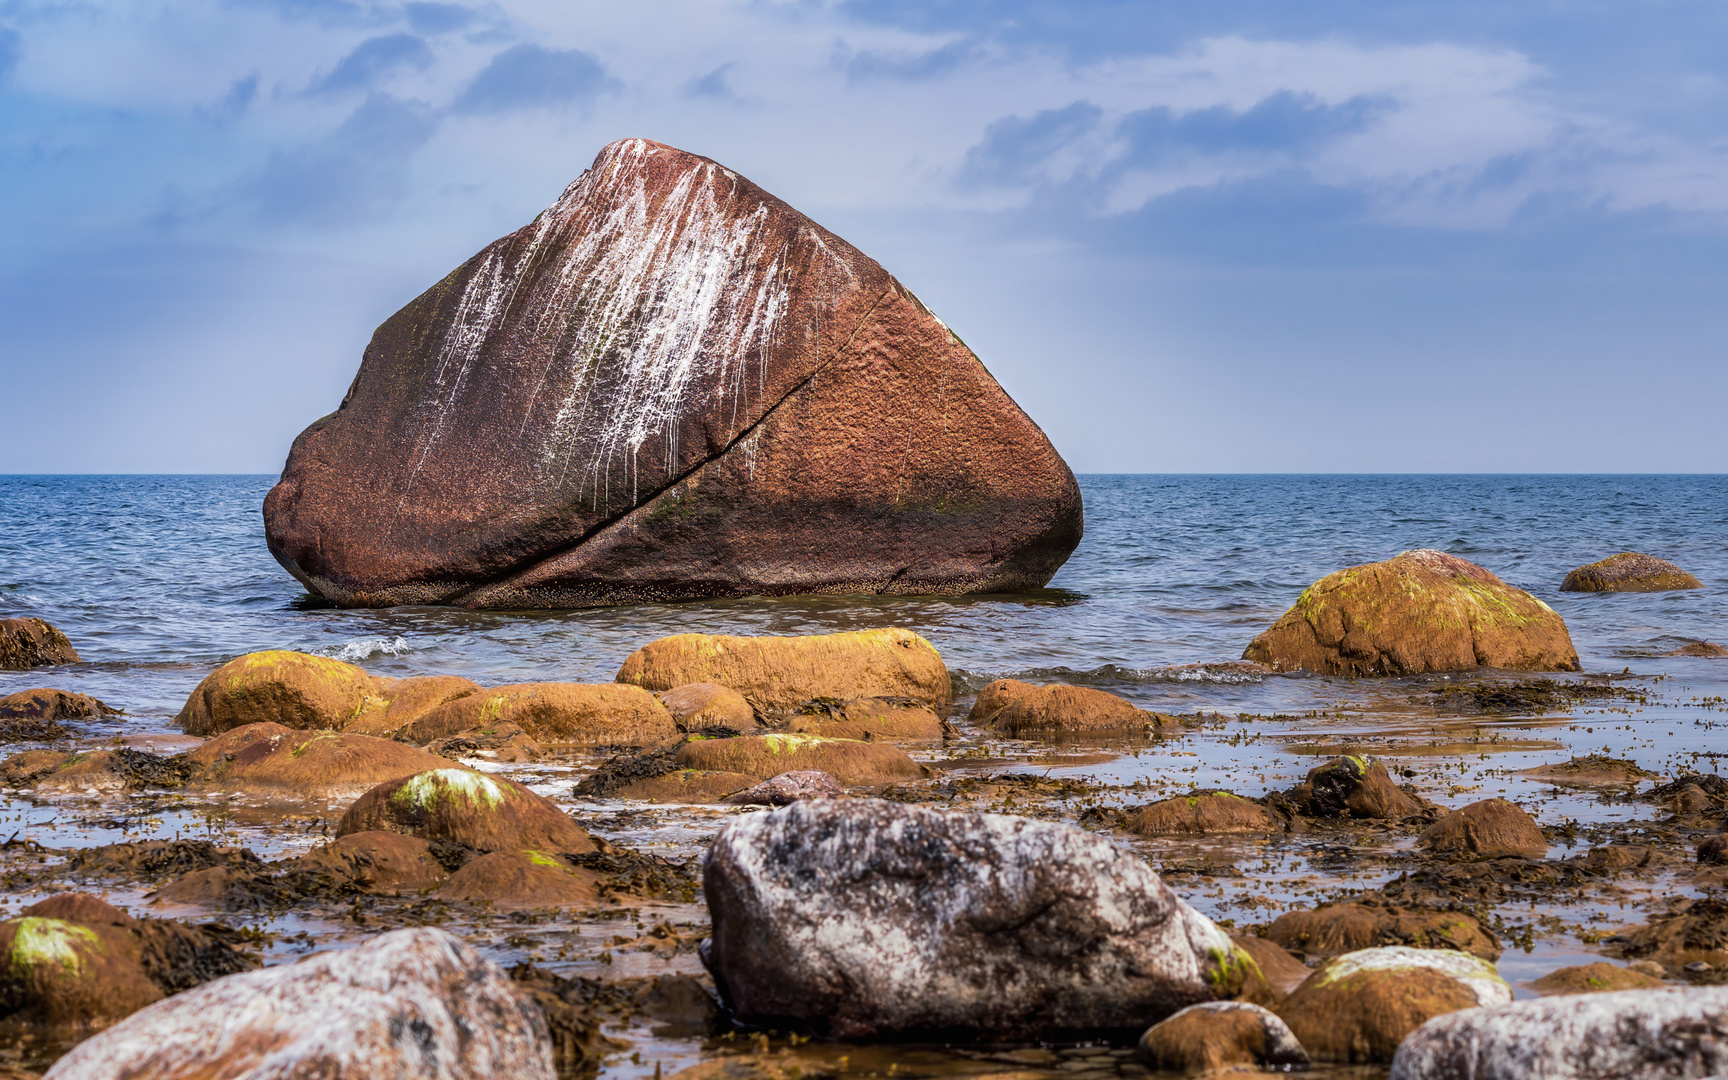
(159,578)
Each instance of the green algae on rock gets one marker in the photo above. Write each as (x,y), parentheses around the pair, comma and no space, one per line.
(487,813)
(294,689)
(763,756)
(1629,571)
(1417,612)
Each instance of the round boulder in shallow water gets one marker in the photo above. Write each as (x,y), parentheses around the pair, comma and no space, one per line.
(669,385)
(28,643)
(870,919)
(1629,571)
(1628,1035)
(1220,1034)
(410,1003)
(487,813)
(1203,813)
(1488,829)
(1020,709)
(1417,612)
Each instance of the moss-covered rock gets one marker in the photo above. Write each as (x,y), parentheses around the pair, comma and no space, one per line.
(46,704)
(764,756)
(867,718)
(1598,978)
(293,689)
(407,700)
(554,715)
(1417,612)
(1203,813)
(60,973)
(487,813)
(1629,571)
(1219,1034)
(777,674)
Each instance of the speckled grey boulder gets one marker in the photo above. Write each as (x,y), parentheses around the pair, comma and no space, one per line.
(865,918)
(1626,1035)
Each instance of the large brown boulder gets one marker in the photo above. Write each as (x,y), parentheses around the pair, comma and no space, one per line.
(28,643)
(294,689)
(487,813)
(271,760)
(408,1003)
(778,674)
(1348,927)
(1489,829)
(1417,612)
(554,714)
(1629,571)
(670,384)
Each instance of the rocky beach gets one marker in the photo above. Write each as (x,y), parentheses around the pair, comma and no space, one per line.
(696,665)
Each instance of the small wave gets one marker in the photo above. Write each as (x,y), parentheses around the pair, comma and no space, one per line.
(369,648)
(1226,672)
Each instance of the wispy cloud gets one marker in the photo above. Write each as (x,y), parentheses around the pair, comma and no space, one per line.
(374,59)
(535,77)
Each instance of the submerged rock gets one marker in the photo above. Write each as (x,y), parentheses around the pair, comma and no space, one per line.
(788,788)
(1020,709)
(1629,571)
(487,813)
(1700,648)
(705,706)
(778,674)
(1420,611)
(1591,770)
(47,705)
(1360,1006)
(1203,813)
(28,643)
(864,918)
(765,756)
(1489,829)
(1598,978)
(407,1003)
(554,714)
(1217,1034)
(1629,1035)
(1353,926)
(669,385)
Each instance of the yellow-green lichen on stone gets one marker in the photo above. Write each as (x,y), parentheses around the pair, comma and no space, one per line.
(426,789)
(39,942)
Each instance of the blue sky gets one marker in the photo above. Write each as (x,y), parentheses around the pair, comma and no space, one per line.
(1224,236)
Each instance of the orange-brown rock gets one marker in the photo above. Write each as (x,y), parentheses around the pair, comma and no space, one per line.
(504,743)
(407,700)
(1018,709)
(48,705)
(1203,813)
(88,772)
(65,973)
(1692,931)
(763,756)
(1629,571)
(777,674)
(1489,829)
(272,760)
(1358,1007)
(1283,970)
(1596,978)
(554,714)
(293,689)
(487,813)
(702,707)
(1360,787)
(530,879)
(23,770)
(1347,927)
(684,786)
(1417,612)
(28,643)
(867,718)
(388,863)
(1215,1035)
(669,385)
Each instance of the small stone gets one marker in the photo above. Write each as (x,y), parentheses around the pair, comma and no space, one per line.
(1217,1034)
(1629,571)
(1489,829)
(1648,967)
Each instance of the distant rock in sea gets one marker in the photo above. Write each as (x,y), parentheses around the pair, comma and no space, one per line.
(1417,612)
(669,385)
(1629,571)
(28,643)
